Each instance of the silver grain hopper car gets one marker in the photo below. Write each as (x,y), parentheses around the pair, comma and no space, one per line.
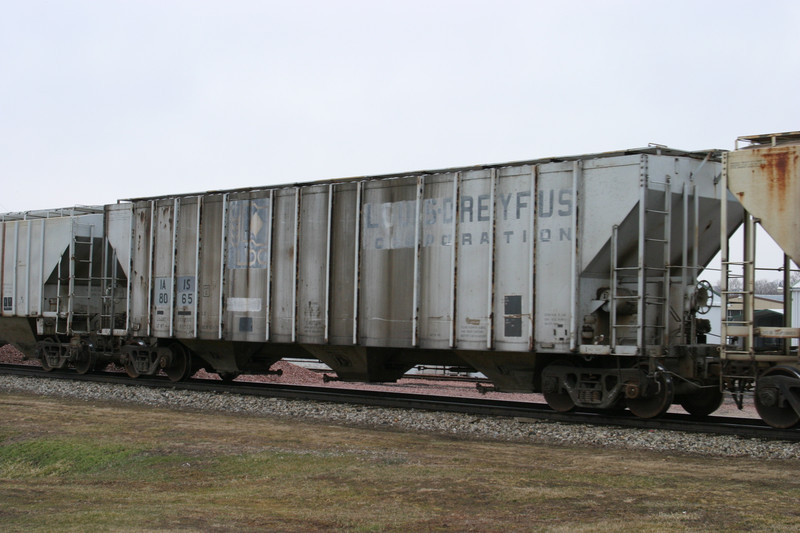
(575,276)
(51,263)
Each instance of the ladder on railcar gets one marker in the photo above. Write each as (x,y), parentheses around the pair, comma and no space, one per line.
(650,275)
(742,358)
(79,274)
(740,325)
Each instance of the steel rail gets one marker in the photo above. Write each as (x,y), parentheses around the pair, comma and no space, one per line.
(718,425)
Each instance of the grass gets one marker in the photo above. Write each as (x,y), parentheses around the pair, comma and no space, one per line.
(59,458)
(73,466)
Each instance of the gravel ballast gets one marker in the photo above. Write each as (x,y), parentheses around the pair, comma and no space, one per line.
(456,425)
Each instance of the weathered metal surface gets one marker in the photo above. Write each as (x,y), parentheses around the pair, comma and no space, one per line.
(313,265)
(345,240)
(162,278)
(43,274)
(435,272)
(778,332)
(31,252)
(186,264)
(141,272)
(247,249)
(555,274)
(118,233)
(766,180)
(387,263)
(282,306)
(210,266)
(116,269)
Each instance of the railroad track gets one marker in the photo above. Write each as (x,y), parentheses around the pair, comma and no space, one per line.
(740,427)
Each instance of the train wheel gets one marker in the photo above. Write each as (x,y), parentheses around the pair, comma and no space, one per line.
(130,369)
(556,397)
(658,399)
(771,400)
(43,357)
(45,365)
(702,403)
(181,367)
(85,361)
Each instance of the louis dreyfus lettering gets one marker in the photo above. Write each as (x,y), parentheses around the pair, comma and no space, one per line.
(391,225)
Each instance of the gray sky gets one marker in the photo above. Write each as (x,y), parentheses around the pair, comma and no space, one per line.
(101,100)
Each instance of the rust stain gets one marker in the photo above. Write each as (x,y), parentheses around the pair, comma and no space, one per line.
(776,171)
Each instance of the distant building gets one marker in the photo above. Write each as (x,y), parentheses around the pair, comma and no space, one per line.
(768,312)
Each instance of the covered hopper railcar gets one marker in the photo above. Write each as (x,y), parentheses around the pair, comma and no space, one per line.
(576,277)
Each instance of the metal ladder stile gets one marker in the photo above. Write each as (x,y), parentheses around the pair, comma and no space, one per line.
(81,254)
(612,317)
(650,275)
(70,282)
(732,375)
(741,327)
(59,313)
(108,288)
(689,260)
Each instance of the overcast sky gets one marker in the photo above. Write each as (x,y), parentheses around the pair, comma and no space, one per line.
(101,100)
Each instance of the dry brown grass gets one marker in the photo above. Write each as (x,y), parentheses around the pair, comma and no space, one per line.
(72,466)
